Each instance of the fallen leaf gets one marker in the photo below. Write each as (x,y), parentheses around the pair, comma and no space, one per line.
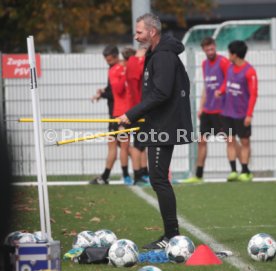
(64,231)
(66,211)
(91,203)
(95,219)
(78,215)
(52,220)
(154,228)
(73,233)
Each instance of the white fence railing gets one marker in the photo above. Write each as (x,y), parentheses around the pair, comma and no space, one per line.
(263,155)
(65,88)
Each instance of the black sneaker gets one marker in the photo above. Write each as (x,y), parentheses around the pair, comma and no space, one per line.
(99,180)
(161,243)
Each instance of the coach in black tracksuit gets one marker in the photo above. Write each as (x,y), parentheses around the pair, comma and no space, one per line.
(165,106)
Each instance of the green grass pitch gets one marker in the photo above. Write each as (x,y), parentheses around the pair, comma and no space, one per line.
(230,212)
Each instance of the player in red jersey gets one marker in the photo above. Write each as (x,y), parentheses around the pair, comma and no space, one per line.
(117,77)
(115,93)
(134,73)
(240,91)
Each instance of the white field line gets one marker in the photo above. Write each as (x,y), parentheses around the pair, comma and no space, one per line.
(69,183)
(196,232)
(237,227)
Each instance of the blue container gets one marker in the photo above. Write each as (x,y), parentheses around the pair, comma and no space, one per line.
(38,257)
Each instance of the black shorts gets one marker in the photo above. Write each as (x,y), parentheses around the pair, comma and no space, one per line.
(114,126)
(235,127)
(210,123)
(135,143)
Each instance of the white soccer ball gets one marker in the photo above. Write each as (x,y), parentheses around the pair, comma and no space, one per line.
(262,247)
(107,237)
(24,238)
(9,240)
(180,249)
(86,239)
(149,268)
(123,253)
(38,236)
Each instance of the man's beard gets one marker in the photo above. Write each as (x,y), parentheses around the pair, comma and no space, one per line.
(212,57)
(145,44)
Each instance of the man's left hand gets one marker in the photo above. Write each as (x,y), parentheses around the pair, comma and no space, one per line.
(124,119)
(247,121)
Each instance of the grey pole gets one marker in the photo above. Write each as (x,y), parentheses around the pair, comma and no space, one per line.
(191,66)
(138,8)
(273,33)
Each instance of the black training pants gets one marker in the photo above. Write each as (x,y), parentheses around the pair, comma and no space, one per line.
(159,159)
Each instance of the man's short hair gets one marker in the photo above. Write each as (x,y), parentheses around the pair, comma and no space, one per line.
(151,21)
(127,52)
(111,50)
(238,47)
(207,41)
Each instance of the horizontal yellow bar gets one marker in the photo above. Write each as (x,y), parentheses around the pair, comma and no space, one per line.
(97,135)
(72,120)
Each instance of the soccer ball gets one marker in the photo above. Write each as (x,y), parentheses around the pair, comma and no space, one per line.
(107,237)
(179,249)
(86,239)
(38,236)
(9,240)
(24,238)
(149,268)
(261,247)
(123,253)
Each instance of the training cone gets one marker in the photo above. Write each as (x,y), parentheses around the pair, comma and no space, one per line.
(203,255)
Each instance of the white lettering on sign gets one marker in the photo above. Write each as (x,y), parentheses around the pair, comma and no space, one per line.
(17,62)
(21,71)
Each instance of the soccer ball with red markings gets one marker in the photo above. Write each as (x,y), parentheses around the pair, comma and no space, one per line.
(262,247)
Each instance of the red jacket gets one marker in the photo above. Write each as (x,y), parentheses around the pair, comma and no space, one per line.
(117,79)
(134,73)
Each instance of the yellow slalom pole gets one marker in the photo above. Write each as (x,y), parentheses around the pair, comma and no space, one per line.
(96,136)
(72,120)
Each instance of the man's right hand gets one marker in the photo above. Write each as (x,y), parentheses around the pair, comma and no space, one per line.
(124,119)
(97,97)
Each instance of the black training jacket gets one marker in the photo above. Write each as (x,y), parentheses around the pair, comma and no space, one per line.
(165,96)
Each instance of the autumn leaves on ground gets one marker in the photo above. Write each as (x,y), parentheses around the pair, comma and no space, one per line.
(230,213)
